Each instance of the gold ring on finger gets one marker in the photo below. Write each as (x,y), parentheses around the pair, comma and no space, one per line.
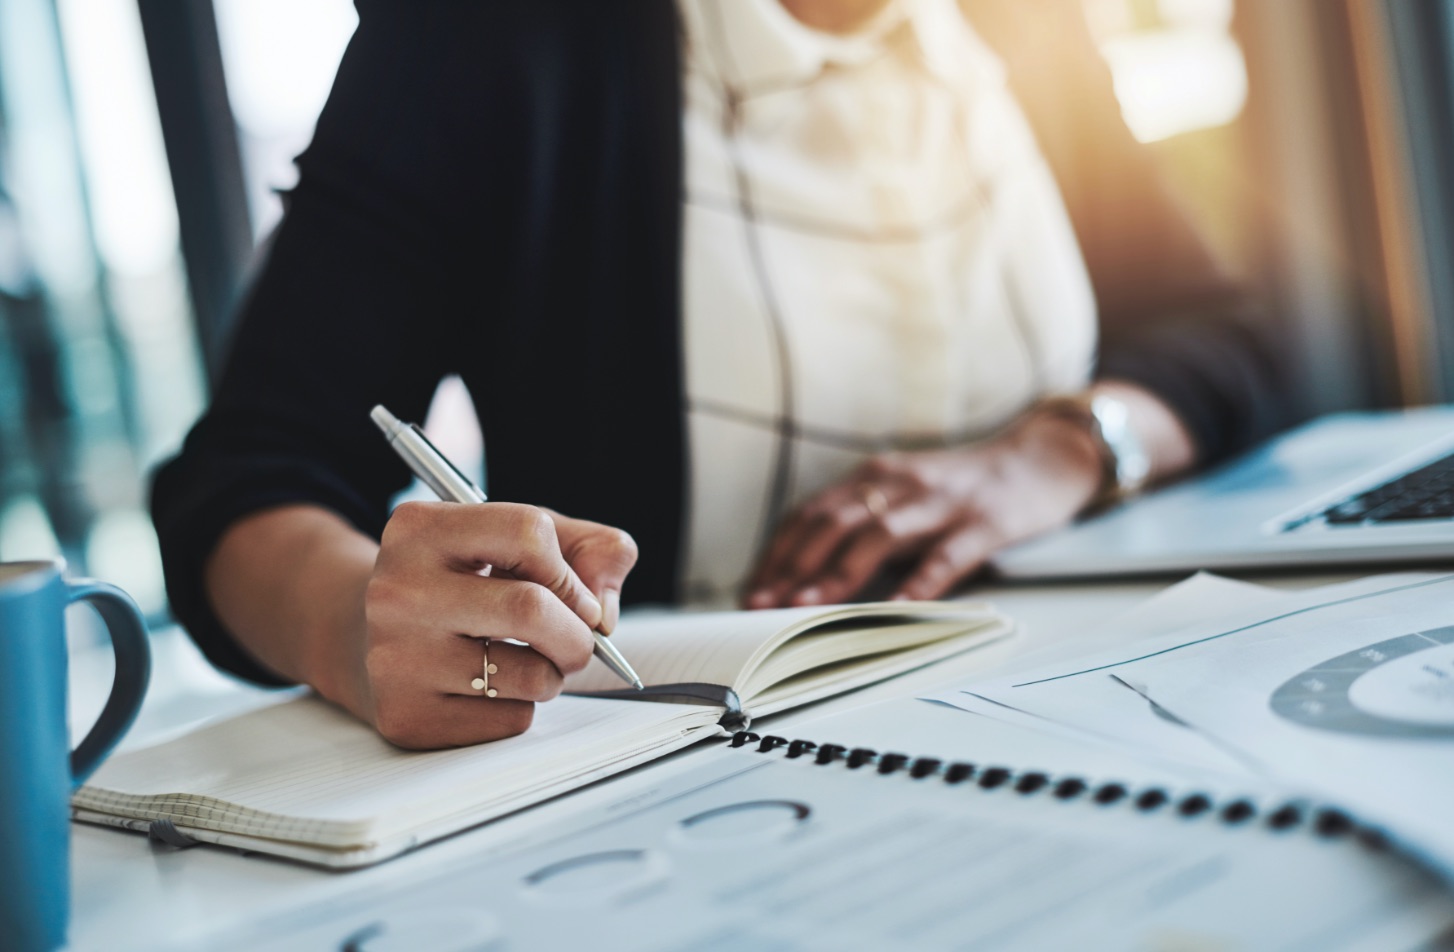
(482,683)
(874,501)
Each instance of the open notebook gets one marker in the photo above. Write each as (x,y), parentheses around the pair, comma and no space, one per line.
(304,780)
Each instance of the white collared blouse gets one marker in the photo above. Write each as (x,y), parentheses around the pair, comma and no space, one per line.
(876,257)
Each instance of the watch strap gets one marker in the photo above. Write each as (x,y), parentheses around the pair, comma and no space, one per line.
(1126,466)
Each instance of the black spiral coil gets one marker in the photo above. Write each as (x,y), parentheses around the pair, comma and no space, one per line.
(1327,822)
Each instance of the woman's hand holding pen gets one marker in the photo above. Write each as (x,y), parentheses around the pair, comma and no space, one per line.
(552,580)
(394,631)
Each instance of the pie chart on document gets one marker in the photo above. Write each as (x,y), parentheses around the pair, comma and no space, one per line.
(1399,688)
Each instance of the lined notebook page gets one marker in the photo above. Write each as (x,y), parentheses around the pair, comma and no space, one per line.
(719,647)
(306,771)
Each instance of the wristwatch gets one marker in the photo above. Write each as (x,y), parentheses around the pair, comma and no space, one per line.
(1125,462)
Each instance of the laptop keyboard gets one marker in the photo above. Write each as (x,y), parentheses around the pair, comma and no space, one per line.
(1425,493)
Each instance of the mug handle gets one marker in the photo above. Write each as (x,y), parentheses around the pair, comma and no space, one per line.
(133,671)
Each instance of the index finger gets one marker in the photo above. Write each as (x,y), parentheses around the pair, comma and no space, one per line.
(518,539)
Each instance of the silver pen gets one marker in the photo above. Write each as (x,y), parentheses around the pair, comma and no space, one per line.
(440,475)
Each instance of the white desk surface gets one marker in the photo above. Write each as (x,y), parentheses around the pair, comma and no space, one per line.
(129,894)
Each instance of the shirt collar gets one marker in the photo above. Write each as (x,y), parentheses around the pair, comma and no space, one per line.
(756,44)
(948,45)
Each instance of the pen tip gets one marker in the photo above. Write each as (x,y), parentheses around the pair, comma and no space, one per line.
(638,685)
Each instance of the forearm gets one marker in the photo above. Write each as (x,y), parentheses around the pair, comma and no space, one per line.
(289,585)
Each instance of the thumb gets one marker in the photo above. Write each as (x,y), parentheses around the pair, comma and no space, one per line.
(602,557)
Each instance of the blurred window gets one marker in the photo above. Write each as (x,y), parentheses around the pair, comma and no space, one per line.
(1175,64)
(1181,78)
(280,57)
(99,370)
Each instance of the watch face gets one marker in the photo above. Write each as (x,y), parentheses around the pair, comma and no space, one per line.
(1401,687)
(1132,463)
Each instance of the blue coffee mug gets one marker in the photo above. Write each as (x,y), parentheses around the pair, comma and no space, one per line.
(38,770)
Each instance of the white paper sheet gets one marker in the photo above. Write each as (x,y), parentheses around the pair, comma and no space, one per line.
(1102,709)
(746,850)
(1354,698)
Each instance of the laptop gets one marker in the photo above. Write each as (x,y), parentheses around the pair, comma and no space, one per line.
(1350,489)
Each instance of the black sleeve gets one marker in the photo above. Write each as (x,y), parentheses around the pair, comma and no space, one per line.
(1171,319)
(381,243)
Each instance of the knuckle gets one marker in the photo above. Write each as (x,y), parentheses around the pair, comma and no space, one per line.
(400,727)
(534,528)
(940,564)
(997,535)
(542,683)
(915,479)
(857,567)
(380,663)
(797,565)
(407,519)
(530,606)
(575,655)
(877,467)
(879,535)
(625,544)
(385,598)
(572,651)
(509,720)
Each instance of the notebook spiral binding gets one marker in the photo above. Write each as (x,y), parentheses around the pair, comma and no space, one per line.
(1323,821)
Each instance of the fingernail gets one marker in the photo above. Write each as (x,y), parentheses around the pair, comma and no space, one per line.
(808,596)
(901,597)
(761,598)
(610,610)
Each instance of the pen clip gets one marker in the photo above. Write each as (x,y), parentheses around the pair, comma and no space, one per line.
(438,481)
